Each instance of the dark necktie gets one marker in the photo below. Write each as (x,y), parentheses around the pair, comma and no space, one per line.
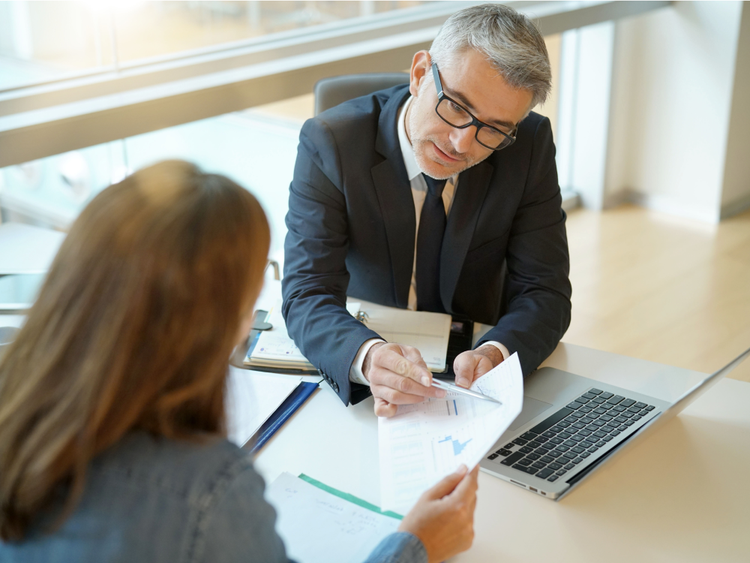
(429,242)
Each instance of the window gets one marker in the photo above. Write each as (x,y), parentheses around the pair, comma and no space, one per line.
(47,41)
(100,115)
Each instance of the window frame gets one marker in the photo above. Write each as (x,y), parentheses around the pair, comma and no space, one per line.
(143,96)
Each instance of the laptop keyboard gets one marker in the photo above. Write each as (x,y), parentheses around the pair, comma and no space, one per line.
(565,439)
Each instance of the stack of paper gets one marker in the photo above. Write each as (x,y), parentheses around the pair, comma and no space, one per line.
(425,442)
(318,527)
(274,349)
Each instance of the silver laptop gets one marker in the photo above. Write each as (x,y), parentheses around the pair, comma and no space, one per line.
(570,425)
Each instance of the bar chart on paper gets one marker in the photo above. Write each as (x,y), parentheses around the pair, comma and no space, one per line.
(448,449)
(427,441)
(456,445)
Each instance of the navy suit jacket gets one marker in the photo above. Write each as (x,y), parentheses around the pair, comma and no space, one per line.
(351,231)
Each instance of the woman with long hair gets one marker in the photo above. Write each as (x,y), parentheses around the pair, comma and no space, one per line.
(112,434)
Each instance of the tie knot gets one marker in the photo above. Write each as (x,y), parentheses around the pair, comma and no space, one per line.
(434,186)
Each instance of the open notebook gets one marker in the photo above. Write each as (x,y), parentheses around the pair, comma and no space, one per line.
(273,350)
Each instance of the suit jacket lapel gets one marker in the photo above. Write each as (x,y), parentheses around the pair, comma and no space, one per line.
(395,198)
(467,203)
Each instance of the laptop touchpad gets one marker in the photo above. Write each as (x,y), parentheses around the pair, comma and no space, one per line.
(531,409)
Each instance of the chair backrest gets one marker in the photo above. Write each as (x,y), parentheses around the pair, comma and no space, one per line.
(330,92)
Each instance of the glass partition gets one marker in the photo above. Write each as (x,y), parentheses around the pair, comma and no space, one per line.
(255,147)
(46,41)
(43,41)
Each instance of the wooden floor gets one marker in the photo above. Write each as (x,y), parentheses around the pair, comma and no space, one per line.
(665,289)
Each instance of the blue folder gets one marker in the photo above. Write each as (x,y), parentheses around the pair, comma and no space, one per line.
(290,405)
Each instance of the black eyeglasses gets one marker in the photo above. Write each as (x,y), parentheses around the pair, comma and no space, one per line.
(456,115)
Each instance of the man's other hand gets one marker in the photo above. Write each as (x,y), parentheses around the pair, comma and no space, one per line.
(397,376)
(473,364)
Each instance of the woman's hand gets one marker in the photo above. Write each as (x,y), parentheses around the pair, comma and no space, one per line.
(443,518)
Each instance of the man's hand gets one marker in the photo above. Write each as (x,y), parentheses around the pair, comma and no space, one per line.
(397,376)
(472,364)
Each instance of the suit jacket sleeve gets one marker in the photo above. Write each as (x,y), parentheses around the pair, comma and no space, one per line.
(315,274)
(537,288)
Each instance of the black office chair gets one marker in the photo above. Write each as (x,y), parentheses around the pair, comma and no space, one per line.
(332,91)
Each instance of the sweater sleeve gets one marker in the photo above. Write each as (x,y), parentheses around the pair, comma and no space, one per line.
(238,525)
(399,547)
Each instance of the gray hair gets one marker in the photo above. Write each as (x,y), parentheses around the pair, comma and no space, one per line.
(510,41)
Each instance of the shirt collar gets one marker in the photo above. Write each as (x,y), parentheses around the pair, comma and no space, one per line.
(407,152)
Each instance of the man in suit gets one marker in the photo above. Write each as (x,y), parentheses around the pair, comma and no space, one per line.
(442,196)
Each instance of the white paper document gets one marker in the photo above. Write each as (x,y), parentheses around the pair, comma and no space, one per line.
(251,398)
(425,442)
(318,527)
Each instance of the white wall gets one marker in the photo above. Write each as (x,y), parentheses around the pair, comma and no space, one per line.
(736,194)
(585,95)
(672,100)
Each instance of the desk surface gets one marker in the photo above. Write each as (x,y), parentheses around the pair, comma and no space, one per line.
(681,494)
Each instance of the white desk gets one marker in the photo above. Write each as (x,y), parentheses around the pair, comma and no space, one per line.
(680,495)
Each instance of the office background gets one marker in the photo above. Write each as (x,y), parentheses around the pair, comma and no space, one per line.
(650,115)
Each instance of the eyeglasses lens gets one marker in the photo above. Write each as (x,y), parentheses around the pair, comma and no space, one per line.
(456,116)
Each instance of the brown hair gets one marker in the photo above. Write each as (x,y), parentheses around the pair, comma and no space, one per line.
(132,329)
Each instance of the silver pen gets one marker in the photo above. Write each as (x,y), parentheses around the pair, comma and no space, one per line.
(460,390)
